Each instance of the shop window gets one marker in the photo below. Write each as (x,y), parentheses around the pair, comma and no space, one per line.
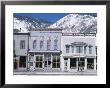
(90,63)
(39,61)
(72,62)
(56,62)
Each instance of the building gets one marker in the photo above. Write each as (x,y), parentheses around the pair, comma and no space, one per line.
(20,44)
(45,50)
(78,52)
(53,50)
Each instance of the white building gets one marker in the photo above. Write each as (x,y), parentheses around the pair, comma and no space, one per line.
(78,52)
(45,50)
(52,50)
(20,51)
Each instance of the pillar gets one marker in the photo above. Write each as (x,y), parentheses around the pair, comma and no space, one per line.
(77,63)
(94,63)
(68,64)
(85,67)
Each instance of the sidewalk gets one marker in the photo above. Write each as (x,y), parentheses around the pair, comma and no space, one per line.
(88,72)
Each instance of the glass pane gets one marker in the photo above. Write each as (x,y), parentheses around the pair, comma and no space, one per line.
(40,64)
(58,59)
(37,58)
(58,65)
(72,62)
(54,59)
(41,58)
(54,65)
(37,63)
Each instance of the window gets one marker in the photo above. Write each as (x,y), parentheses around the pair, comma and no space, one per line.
(56,62)
(90,63)
(72,49)
(22,61)
(22,44)
(55,44)
(72,62)
(67,49)
(39,61)
(90,50)
(84,49)
(48,44)
(41,44)
(34,44)
(79,49)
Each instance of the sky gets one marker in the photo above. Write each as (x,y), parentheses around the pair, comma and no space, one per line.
(51,17)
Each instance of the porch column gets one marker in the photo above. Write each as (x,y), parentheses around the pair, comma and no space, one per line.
(77,63)
(85,68)
(68,64)
(43,61)
(94,63)
(51,60)
(34,61)
(28,63)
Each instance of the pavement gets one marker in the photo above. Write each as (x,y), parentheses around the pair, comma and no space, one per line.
(88,72)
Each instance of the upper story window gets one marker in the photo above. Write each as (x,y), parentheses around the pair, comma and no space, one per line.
(79,49)
(90,49)
(48,44)
(67,48)
(72,49)
(85,49)
(41,44)
(22,44)
(34,44)
(55,44)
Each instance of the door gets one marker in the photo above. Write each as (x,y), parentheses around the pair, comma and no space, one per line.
(81,64)
(22,62)
(15,64)
(65,64)
(47,62)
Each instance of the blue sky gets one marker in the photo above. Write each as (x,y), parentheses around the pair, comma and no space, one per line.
(52,17)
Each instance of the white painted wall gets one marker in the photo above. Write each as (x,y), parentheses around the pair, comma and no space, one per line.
(18,51)
(70,39)
(35,35)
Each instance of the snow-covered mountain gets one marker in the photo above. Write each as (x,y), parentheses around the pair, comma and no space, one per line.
(25,24)
(77,23)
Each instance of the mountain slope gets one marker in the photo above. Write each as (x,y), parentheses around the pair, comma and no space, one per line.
(77,23)
(25,24)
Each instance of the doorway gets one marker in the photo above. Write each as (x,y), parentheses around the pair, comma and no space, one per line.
(22,62)
(47,62)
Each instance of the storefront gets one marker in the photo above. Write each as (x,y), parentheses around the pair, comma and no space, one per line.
(45,61)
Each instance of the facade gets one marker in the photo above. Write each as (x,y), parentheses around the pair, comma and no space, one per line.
(78,52)
(52,50)
(20,44)
(45,50)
